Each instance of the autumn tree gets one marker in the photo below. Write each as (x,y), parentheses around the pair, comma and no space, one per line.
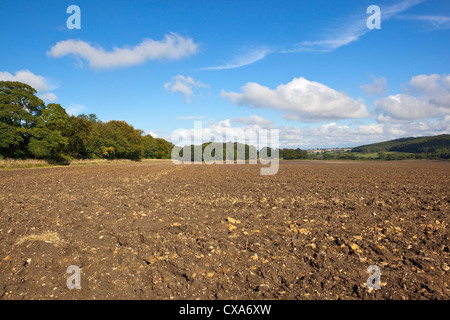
(125,141)
(29,128)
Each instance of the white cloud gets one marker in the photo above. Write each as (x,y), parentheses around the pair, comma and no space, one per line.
(75,109)
(347,33)
(256,121)
(25,76)
(249,57)
(434,86)
(222,131)
(339,135)
(184,85)
(48,97)
(330,134)
(378,87)
(172,47)
(426,96)
(39,83)
(152,133)
(336,131)
(300,99)
(405,107)
(326,135)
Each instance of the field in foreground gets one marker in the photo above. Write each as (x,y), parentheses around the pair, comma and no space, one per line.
(159,231)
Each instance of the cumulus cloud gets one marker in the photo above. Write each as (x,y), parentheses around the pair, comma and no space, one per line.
(345,135)
(331,134)
(245,59)
(426,96)
(172,47)
(183,85)
(221,131)
(300,99)
(25,76)
(378,87)
(39,83)
(326,135)
(405,107)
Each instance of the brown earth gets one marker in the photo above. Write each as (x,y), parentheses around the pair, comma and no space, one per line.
(161,231)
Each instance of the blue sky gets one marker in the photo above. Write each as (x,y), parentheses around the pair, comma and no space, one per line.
(311,69)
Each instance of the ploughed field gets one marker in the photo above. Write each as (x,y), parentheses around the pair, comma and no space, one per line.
(155,230)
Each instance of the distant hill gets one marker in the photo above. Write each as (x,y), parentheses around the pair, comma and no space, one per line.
(433,144)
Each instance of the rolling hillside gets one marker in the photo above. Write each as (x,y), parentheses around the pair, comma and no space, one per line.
(433,144)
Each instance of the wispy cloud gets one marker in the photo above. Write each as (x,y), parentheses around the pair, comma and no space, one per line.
(435,21)
(353,31)
(249,57)
(172,47)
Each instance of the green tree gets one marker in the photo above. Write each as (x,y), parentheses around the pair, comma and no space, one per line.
(29,128)
(80,134)
(20,112)
(55,117)
(12,141)
(47,144)
(128,143)
(150,147)
(290,154)
(163,149)
(382,155)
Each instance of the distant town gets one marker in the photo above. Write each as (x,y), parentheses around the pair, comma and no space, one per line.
(322,150)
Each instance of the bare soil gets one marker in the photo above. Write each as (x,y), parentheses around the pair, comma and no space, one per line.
(155,230)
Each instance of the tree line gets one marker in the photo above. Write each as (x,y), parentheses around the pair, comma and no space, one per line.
(237,151)
(31,129)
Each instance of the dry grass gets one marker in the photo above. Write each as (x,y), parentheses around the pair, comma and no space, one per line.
(9,164)
(52,237)
(22,164)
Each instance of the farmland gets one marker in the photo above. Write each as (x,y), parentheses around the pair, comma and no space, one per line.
(154,230)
